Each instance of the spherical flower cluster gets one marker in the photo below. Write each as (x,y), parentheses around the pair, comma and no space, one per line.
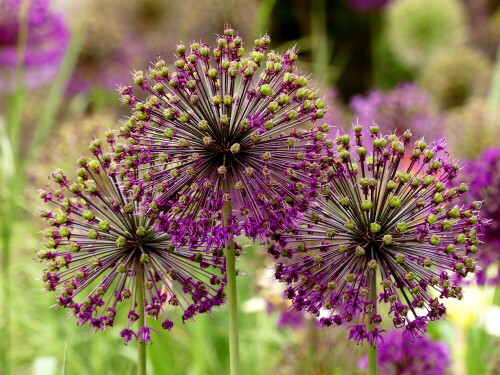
(46,40)
(104,258)
(452,83)
(385,230)
(486,34)
(405,107)
(107,50)
(398,356)
(483,174)
(224,129)
(479,124)
(416,29)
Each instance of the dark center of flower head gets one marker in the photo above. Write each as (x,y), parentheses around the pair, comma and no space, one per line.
(386,226)
(221,127)
(102,252)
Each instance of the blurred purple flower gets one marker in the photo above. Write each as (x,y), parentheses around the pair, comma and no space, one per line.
(367,5)
(405,107)
(399,356)
(47,39)
(292,319)
(483,175)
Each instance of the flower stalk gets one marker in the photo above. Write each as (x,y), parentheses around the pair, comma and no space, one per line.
(232,300)
(372,348)
(141,345)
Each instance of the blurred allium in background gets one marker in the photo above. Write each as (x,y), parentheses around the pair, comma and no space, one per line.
(315,351)
(386,212)
(472,128)
(241,14)
(64,140)
(103,257)
(405,107)
(487,36)
(46,38)
(399,356)
(123,36)
(225,128)
(416,29)
(107,52)
(454,75)
(483,176)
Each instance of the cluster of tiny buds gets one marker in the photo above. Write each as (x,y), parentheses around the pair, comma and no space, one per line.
(385,207)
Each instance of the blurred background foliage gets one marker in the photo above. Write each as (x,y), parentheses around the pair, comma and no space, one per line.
(429,65)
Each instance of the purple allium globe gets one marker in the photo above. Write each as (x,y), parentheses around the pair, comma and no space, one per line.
(224,129)
(483,175)
(46,42)
(385,221)
(399,356)
(404,107)
(104,258)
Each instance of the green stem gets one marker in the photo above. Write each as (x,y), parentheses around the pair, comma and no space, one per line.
(264,14)
(232,299)
(141,346)
(9,156)
(372,349)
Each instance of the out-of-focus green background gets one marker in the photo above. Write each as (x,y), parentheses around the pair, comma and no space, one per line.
(445,49)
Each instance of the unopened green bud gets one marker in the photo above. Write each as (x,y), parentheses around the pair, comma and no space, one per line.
(266,90)
(375,227)
(394,202)
(431,219)
(121,241)
(366,205)
(359,251)
(88,215)
(104,225)
(435,240)
(61,219)
(388,239)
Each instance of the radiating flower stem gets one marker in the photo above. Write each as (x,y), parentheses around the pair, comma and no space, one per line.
(141,345)
(372,349)
(232,300)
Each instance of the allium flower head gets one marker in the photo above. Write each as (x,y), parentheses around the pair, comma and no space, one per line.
(47,39)
(398,356)
(386,221)
(483,174)
(452,82)
(405,107)
(473,128)
(224,127)
(105,259)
